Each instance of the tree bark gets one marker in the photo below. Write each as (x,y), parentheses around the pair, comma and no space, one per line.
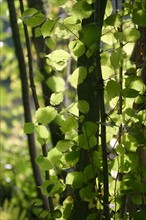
(26,99)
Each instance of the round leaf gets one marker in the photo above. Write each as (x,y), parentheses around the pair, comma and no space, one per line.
(45,115)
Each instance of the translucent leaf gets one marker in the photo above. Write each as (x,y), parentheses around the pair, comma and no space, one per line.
(56,84)
(139,17)
(47,28)
(69,124)
(56,98)
(58,59)
(51,187)
(72,25)
(81,10)
(32,17)
(135,82)
(45,115)
(132,34)
(78,76)
(76,179)
(54,156)
(77,47)
(83,106)
(43,163)
(130,143)
(58,2)
(42,132)
(64,145)
(29,128)
(112,89)
(114,20)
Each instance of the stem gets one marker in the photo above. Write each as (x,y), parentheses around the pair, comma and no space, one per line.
(26,99)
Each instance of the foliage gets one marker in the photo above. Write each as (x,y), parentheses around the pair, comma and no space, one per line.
(125,124)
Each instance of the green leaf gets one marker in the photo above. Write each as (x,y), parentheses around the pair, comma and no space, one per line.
(130,93)
(139,17)
(87,193)
(87,142)
(58,2)
(56,98)
(129,143)
(76,179)
(58,59)
(45,115)
(93,33)
(116,58)
(135,82)
(54,156)
(83,106)
(42,132)
(47,28)
(69,124)
(32,17)
(132,34)
(81,10)
(56,84)
(112,89)
(67,210)
(29,128)
(64,145)
(51,187)
(89,128)
(114,20)
(43,163)
(77,47)
(72,158)
(92,216)
(56,214)
(78,76)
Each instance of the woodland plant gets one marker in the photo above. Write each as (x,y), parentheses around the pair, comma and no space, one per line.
(82,72)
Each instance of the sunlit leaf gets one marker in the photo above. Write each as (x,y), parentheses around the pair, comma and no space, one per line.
(47,28)
(43,163)
(54,156)
(56,83)
(81,10)
(78,76)
(42,132)
(58,59)
(112,89)
(69,124)
(77,47)
(64,145)
(83,106)
(45,115)
(56,98)
(32,17)
(114,20)
(29,128)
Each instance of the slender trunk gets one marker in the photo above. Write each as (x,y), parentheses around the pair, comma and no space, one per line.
(26,99)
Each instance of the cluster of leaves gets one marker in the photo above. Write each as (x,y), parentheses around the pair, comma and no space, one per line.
(116,50)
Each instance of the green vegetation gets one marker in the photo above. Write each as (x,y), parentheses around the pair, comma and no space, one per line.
(73,110)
